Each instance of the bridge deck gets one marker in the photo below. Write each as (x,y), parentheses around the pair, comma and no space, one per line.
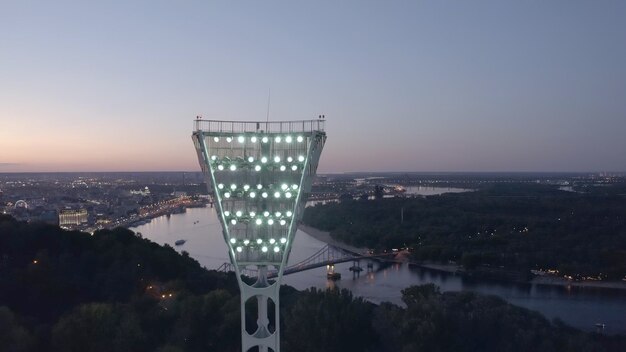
(328,255)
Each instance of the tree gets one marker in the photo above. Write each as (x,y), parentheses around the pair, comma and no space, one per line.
(98,327)
(13,336)
(379,191)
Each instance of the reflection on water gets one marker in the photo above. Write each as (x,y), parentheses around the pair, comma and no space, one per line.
(579,307)
(312,203)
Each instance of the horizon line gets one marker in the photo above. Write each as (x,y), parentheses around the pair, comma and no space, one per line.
(327,173)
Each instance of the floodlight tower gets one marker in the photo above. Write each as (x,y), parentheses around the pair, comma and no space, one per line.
(259,175)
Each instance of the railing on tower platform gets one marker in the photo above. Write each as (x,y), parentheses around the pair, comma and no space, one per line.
(256,127)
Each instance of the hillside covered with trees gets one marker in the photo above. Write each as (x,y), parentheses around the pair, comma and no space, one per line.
(517,226)
(115,291)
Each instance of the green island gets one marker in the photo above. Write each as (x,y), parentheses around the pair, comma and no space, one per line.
(503,231)
(115,291)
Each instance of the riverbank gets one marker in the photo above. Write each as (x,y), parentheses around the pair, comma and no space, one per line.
(538,280)
(325,237)
(558,281)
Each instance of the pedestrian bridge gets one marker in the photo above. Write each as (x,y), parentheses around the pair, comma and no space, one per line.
(327,255)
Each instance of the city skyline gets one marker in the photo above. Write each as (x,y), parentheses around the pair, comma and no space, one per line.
(413,87)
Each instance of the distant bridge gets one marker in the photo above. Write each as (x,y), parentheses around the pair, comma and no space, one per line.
(327,255)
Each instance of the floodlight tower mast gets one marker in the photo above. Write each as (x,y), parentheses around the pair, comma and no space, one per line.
(259,175)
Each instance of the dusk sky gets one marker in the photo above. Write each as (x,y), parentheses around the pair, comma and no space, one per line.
(405,85)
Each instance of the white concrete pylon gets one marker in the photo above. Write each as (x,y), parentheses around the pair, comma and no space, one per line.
(259,175)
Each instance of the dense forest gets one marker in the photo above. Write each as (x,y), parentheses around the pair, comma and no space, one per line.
(115,291)
(512,226)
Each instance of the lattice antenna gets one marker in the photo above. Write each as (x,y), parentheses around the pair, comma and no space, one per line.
(269,96)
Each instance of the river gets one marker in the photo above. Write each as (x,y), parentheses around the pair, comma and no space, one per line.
(581,307)
(433,191)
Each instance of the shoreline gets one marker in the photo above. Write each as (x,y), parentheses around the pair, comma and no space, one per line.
(325,237)
(557,281)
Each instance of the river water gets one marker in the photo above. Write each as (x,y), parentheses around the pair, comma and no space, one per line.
(576,306)
(432,191)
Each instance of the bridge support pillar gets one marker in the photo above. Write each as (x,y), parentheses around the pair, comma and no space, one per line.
(356,268)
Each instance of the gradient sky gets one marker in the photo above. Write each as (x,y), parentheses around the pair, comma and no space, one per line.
(405,85)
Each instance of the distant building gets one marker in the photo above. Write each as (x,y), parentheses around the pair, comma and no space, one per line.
(72,217)
(142,192)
